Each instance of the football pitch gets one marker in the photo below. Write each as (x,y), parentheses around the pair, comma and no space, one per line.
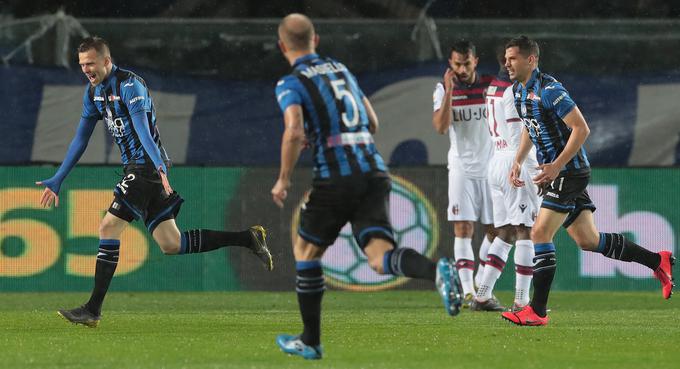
(399,329)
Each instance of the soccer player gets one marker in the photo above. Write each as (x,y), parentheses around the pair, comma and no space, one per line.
(459,110)
(556,127)
(122,100)
(322,104)
(514,209)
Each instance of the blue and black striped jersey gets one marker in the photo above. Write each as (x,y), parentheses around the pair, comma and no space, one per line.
(115,100)
(542,104)
(336,121)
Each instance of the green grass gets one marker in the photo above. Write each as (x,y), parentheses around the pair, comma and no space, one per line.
(360,330)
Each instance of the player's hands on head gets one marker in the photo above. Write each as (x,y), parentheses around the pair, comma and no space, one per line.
(549,172)
(515,172)
(280,192)
(48,196)
(450,79)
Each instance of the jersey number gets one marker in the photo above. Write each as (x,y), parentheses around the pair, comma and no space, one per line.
(340,94)
(493,124)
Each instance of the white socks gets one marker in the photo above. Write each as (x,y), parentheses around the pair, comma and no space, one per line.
(495,262)
(465,263)
(483,250)
(524,261)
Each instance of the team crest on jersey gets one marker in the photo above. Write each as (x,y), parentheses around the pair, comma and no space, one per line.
(455,209)
(524,110)
(522,207)
(114,98)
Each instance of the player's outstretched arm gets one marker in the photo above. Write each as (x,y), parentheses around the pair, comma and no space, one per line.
(441,117)
(291,144)
(373,123)
(579,132)
(73,154)
(140,122)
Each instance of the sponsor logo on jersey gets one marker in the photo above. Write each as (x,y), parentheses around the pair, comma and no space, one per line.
(522,207)
(129,84)
(98,98)
(532,96)
(135,99)
(114,98)
(559,98)
(552,194)
(469,114)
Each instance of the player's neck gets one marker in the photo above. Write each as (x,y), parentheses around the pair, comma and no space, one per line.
(528,77)
(292,56)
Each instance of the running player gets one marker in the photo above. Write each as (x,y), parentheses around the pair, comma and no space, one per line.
(460,111)
(514,209)
(122,100)
(322,104)
(556,127)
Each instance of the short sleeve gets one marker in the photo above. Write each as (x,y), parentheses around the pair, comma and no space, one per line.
(438,97)
(89,109)
(135,96)
(287,92)
(556,98)
(509,107)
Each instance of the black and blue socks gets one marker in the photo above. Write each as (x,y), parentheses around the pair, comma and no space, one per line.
(409,263)
(545,264)
(204,240)
(310,285)
(107,260)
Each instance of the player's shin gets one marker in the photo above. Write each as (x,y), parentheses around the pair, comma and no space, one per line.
(545,264)
(616,246)
(310,285)
(524,256)
(204,240)
(409,263)
(495,262)
(465,263)
(483,252)
(107,260)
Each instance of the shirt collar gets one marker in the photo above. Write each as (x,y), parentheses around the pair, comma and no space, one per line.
(106,80)
(534,78)
(305,58)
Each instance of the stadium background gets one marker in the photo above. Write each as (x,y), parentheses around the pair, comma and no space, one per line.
(212,80)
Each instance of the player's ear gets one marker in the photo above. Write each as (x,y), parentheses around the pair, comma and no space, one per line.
(316,40)
(282,46)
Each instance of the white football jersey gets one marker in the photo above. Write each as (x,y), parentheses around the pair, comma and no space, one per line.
(505,125)
(471,146)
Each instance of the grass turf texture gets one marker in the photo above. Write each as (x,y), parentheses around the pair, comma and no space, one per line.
(404,329)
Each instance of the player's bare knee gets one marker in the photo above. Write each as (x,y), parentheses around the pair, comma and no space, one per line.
(107,229)
(540,234)
(169,247)
(463,229)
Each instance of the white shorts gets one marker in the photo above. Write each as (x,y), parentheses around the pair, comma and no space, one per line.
(512,205)
(469,199)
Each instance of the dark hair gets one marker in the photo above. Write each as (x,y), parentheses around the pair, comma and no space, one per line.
(526,46)
(96,43)
(500,54)
(463,47)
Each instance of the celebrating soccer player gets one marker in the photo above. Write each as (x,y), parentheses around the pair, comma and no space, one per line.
(322,104)
(121,98)
(556,127)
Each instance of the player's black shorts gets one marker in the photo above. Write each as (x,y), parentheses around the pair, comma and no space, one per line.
(568,194)
(140,194)
(362,200)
